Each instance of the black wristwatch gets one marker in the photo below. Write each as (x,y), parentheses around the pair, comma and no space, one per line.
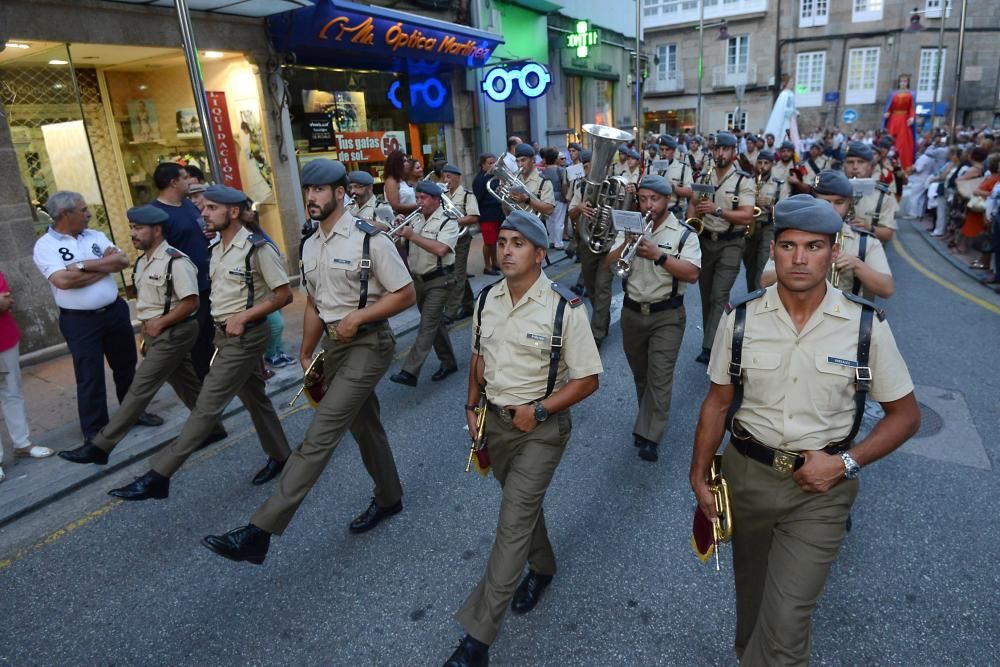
(471,407)
(541,414)
(662,259)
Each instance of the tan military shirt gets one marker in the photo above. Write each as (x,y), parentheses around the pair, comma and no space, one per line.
(649,283)
(865,209)
(539,187)
(752,156)
(875,258)
(699,155)
(515,341)
(366,211)
(331,268)
(799,387)
(679,173)
(150,278)
(884,174)
(823,162)
(438,228)
(630,176)
(724,193)
(464,201)
(230,284)
(770,191)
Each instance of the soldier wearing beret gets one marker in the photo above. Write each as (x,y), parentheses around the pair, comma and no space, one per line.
(791,368)
(166,303)
(679,173)
(785,165)
(862,267)
(752,151)
(432,240)
(539,198)
(460,301)
(360,187)
(886,167)
(725,217)
(534,356)
(814,163)
(653,315)
(876,211)
(355,281)
(248,283)
(631,168)
(769,191)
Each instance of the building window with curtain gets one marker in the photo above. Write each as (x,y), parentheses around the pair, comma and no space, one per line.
(809,78)
(862,75)
(930,75)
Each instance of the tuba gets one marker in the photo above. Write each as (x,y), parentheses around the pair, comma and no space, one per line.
(508,182)
(600,191)
(623,266)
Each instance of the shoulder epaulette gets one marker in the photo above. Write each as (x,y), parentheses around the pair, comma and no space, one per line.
(366,227)
(685,225)
(746,299)
(571,297)
(175,253)
(740,172)
(257,240)
(882,187)
(865,232)
(865,302)
(778,181)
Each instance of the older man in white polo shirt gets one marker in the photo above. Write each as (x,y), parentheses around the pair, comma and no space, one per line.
(78,263)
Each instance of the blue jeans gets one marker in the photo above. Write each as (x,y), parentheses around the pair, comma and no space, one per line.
(277,324)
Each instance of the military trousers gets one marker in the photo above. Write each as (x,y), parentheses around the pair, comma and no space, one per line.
(432,295)
(597,278)
(238,370)
(523,463)
(720,264)
(352,370)
(755,255)
(784,542)
(166,360)
(652,343)
(460,295)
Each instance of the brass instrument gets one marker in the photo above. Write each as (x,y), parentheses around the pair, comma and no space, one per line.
(623,265)
(508,182)
(479,438)
(757,211)
(600,191)
(450,211)
(705,192)
(722,525)
(834,271)
(312,382)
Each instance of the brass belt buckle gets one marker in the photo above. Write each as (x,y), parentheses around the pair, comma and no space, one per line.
(783,462)
(714,236)
(331,332)
(644,308)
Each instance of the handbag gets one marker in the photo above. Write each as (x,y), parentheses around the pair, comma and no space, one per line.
(976,204)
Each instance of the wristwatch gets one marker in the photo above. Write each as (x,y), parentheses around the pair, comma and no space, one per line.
(541,414)
(718,211)
(662,259)
(79,266)
(851,467)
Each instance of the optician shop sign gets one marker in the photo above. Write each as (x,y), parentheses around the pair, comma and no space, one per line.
(531,79)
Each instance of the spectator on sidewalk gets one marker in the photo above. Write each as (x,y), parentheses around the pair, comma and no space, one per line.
(186,232)
(556,175)
(490,214)
(11,398)
(78,263)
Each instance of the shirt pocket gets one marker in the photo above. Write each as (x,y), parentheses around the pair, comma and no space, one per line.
(761,374)
(349,265)
(835,379)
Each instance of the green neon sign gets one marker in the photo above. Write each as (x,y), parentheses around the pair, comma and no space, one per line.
(582,39)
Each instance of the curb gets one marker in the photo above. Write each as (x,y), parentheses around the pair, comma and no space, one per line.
(943,251)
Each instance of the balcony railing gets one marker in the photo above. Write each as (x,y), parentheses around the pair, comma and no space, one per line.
(670,82)
(730,76)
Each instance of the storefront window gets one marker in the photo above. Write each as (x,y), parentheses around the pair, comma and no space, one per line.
(673,121)
(602,100)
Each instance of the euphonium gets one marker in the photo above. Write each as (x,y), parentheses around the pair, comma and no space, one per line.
(722,525)
(834,271)
(450,211)
(453,212)
(623,266)
(601,192)
(508,181)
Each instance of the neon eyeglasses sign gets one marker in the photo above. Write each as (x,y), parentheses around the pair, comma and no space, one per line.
(533,80)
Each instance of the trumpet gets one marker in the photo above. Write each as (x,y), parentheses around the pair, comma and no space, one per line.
(623,266)
(310,380)
(722,525)
(834,271)
(508,181)
(478,447)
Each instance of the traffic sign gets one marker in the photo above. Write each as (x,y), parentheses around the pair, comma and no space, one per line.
(850,116)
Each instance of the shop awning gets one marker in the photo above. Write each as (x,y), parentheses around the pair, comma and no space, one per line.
(257,8)
(338,33)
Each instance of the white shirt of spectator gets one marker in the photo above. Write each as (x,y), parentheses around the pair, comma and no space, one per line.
(55,251)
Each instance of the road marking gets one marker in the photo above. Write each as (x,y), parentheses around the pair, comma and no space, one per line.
(62,532)
(901,249)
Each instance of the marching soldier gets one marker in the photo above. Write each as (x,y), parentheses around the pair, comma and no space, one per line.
(695,155)
(653,316)
(876,212)
(761,232)
(460,300)
(432,238)
(360,184)
(631,170)
(752,151)
(792,366)
(355,281)
(887,169)
(539,198)
(725,217)
(166,282)
(784,168)
(594,274)
(248,283)
(862,267)
(814,163)
(530,384)
(679,174)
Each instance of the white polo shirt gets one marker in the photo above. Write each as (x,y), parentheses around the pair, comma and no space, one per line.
(54,251)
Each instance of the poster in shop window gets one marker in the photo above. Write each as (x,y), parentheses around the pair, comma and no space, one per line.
(253,161)
(143,121)
(346,110)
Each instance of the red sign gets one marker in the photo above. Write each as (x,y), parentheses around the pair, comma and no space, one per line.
(222,135)
(367,146)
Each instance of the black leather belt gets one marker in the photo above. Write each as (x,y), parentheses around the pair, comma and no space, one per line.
(331,329)
(96,311)
(506,415)
(221,326)
(647,308)
(723,236)
(778,459)
(437,273)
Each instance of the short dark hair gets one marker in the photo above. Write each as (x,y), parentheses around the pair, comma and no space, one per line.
(484,157)
(195,173)
(550,155)
(165,173)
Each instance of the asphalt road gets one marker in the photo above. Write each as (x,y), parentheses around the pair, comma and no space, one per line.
(93,582)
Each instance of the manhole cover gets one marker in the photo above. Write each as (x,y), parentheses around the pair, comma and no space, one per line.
(931,422)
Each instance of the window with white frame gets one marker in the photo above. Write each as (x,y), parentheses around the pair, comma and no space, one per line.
(933,9)
(736,122)
(813,13)
(738,54)
(862,75)
(655,7)
(810,71)
(666,70)
(930,74)
(866,10)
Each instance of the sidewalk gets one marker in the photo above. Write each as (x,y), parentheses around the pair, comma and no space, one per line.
(50,399)
(961,261)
